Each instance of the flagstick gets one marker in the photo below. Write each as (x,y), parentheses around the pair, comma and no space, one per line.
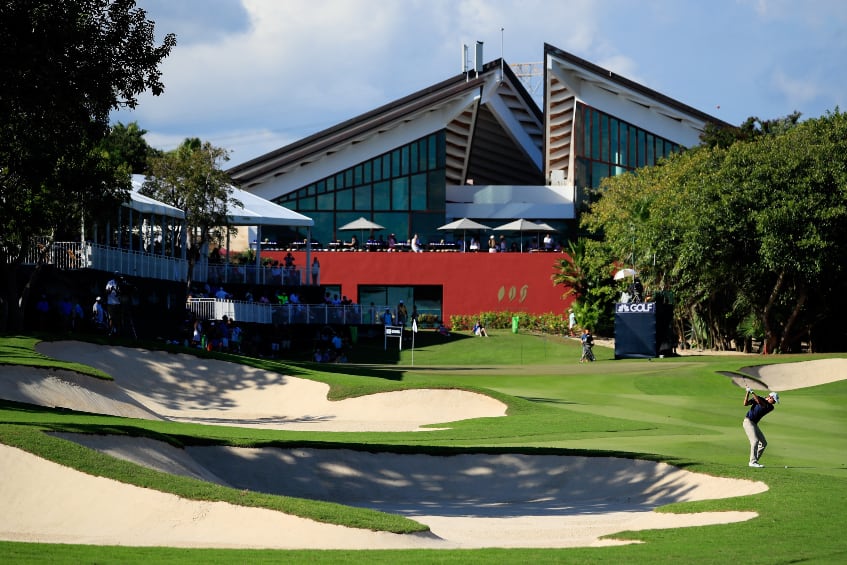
(414,331)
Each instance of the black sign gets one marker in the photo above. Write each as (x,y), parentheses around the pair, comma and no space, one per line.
(635,330)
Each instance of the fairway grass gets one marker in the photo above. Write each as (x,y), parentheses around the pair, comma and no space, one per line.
(680,410)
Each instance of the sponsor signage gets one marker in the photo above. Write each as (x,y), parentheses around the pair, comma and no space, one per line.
(636,308)
(393,331)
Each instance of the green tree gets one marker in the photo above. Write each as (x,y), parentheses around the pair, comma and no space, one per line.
(191,178)
(125,145)
(66,65)
(753,229)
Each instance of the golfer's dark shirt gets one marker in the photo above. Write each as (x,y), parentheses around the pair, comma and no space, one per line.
(758,411)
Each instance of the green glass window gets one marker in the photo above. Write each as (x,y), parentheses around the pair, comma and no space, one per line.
(386,166)
(436,191)
(413,159)
(422,160)
(326,201)
(613,141)
(599,171)
(404,160)
(395,163)
(432,152)
(306,204)
(604,138)
(400,194)
(624,146)
(651,149)
(377,161)
(419,200)
(344,199)
(363,197)
(595,135)
(382,196)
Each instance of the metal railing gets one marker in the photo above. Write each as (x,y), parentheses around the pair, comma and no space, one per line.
(73,255)
(284,314)
(251,274)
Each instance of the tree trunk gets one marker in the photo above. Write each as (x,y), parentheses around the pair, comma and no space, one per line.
(771,338)
(795,313)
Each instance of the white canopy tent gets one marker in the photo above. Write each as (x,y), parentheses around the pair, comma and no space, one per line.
(256,211)
(252,211)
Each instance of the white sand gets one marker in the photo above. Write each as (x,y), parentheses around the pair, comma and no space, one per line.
(468,501)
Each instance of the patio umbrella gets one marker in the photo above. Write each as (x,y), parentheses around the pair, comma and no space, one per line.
(519,225)
(543,226)
(624,273)
(463,224)
(361,224)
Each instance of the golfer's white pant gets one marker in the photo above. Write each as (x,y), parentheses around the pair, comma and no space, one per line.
(758,443)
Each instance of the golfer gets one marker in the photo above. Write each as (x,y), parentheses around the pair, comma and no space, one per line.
(759,408)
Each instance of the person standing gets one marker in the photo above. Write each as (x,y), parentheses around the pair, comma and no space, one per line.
(416,244)
(759,408)
(113,303)
(402,314)
(571,322)
(316,271)
(587,345)
(98,315)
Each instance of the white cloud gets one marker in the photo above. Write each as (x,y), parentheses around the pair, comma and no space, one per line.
(269,72)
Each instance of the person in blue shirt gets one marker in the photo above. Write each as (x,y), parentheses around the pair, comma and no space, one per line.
(759,408)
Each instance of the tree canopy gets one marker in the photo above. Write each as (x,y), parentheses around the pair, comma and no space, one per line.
(66,65)
(750,237)
(191,179)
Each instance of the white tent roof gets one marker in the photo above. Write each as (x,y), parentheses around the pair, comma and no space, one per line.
(147,205)
(254,210)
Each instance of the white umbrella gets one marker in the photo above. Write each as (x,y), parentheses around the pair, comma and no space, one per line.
(624,273)
(519,225)
(361,224)
(463,224)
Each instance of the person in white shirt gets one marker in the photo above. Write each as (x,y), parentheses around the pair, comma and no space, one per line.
(99,314)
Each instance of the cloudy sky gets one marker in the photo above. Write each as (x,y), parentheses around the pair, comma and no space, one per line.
(254,75)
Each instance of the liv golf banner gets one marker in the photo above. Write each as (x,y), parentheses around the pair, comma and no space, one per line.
(635,330)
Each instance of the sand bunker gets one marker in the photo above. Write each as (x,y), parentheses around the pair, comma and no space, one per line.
(468,501)
(184,388)
(802,374)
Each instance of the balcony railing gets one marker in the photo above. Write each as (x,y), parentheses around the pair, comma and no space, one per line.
(279,314)
(286,314)
(73,255)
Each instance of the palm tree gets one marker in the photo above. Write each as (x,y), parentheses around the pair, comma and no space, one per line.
(571,272)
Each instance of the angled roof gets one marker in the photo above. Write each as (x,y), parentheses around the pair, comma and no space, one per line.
(480,113)
(146,205)
(256,211)
(253,210)
(590,72)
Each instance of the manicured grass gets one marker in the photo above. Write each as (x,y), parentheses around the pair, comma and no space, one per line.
(679,410)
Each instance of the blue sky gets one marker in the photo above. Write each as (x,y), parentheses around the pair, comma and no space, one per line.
(254,75)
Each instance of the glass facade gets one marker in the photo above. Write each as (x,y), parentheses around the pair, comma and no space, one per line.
(607,146)
(403,190)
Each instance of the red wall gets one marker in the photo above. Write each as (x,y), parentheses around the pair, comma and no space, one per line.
(472,282)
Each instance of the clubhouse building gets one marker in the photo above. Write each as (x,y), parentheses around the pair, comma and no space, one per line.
(474,146)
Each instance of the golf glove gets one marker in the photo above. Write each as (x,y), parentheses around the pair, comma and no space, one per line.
(749,390)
